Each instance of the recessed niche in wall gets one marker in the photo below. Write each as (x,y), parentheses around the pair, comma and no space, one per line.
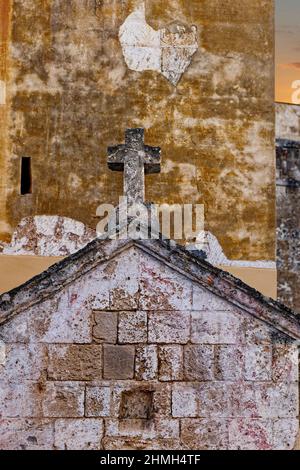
(136,404)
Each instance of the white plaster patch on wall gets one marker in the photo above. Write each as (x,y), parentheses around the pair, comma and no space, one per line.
(49,236)
(168,51)
(208,243)
(2,92)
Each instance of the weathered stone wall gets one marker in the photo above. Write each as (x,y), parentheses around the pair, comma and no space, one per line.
(288,208)
(287,121)
(135,355)
(73,87)
(288,246)
(4,146)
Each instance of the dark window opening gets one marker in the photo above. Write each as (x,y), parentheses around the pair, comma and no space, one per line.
(26,183)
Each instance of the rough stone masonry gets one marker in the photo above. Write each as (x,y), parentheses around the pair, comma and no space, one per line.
(288,192)
(137,345)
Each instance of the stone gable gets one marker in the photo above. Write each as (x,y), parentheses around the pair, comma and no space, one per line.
(117,347)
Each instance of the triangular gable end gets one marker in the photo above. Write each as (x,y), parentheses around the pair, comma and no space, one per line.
(201,273)
(127,332)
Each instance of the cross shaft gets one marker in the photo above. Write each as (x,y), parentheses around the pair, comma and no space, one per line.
(135,159)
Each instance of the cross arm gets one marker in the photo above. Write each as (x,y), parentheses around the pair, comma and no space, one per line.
(153,159)
(115,157)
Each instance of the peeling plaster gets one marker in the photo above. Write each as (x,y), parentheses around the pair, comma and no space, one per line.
(208,243)
(168,50)
(49,236)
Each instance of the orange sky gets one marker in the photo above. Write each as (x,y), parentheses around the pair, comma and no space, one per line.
(287,50)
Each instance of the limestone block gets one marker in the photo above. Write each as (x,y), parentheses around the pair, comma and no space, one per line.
(162,400)
(184,401)
(132,327)
(167,428)
(26,434)
(279,400)
(207,301)
(97,401)
(24,362)
(214,400)
(106,327)
(250,434)
(239,399)
(58,320)
(258,362)
(169,327)
(242,399)
(91,290)
(123,275)
(75,362)
(78,434)
(143,429)
(199,362)
(16,329)
(229,362)
(63,399)
(115,443)
(287,121)
(146,362)
(257,333)
(204,434)
(215,328)
(285,363)
(285,433)
(170,359)
(118,362)
(260,399)
(161,288)
(20,400)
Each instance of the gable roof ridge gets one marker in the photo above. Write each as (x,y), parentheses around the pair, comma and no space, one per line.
(43,286)
(228,287)
(215,280)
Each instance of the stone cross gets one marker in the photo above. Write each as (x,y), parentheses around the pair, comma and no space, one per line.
(136,159)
